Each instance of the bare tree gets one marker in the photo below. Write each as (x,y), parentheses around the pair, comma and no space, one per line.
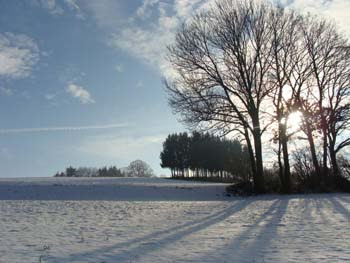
(221,57)
(243,62)
(337,104)
(139,168)
(326,99)
(285,56)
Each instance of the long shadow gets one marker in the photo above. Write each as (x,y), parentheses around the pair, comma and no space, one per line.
(344,197)
(237,252)
(269,229)
(159,239)
(340,208)
(319,205)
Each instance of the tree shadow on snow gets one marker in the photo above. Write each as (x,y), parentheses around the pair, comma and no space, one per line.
(340,208)
(254,238)
(137,247)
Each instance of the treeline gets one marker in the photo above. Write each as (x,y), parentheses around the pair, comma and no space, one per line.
(91,172)
(137,168)
(205,156)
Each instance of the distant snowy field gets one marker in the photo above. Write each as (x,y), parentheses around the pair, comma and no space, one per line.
(118,189)
(158,220)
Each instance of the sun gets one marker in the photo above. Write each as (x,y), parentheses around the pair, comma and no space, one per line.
(294,121)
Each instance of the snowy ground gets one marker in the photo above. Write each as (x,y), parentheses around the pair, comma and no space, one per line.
(117,189)
(198,224)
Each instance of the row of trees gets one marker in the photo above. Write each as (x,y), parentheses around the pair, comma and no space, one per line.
(91,172)
(137,168)
(204,155)
(245,67)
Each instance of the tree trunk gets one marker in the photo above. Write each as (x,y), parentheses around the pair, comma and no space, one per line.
(325,148)
(313,150)
(259,178)
(287,175)
(279,159)
(286,184)
(333,158)
(251,154)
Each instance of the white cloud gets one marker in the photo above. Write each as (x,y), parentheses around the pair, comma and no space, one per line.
(18,54)
(148,40)
(80,93)
(147,34)
(149,45)
(107,13)
(145,10)
(167,21)
(139,43)
(50,5)
(60,7)
(73,5)
(184,7)
(64,128)
(336,10)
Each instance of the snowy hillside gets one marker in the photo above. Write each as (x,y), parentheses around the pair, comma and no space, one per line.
(305,228)
(141,189)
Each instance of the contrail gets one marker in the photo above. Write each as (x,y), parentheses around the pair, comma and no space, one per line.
(67,128)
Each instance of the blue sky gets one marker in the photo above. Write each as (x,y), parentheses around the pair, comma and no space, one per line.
(80,80)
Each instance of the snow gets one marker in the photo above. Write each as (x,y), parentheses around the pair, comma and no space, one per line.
(118,189)
(196,222)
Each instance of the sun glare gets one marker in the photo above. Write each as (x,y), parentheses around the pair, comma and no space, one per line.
(294,120)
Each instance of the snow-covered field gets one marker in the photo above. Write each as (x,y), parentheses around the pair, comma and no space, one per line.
(158,220)
(117,189)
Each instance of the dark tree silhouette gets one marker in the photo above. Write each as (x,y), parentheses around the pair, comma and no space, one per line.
(221,60)
(204,156)
(91,172)
(244,67)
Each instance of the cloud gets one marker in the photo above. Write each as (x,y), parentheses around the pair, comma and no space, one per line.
(73,5)
(64,128)
(60,7)
(50,5)
(80,93)
(148,39)
(107,13)
(336,10)
(184,7)
(148,45)
(146,34)
(141,43)
(18,55)
(144,10)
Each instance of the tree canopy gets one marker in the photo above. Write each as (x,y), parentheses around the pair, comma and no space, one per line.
(204,156)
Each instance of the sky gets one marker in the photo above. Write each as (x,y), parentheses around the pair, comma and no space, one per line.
(81,80)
